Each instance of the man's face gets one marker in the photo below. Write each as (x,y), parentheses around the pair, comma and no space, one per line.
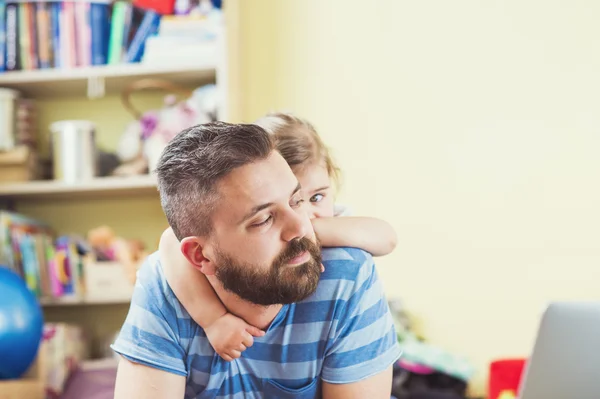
(263,247)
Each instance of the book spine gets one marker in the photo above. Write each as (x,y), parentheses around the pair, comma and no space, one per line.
(13,58)
(43,35)
(98,17)
(2,36)
(55,34)
(116,33)
(148,27)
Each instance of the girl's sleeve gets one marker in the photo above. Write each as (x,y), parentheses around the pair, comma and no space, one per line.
(341,210)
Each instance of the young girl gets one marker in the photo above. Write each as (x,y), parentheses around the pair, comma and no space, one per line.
(302,148)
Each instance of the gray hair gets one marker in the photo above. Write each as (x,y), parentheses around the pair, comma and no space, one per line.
(194,161)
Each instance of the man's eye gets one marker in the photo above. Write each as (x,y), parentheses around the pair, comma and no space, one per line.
(264,222)
(296,202)
(317,198)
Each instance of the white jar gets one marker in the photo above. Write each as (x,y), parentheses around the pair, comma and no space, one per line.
(74,154)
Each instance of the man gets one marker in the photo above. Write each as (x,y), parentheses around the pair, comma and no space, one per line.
(235,205)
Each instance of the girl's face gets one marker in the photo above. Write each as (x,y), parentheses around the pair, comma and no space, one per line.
(317,190)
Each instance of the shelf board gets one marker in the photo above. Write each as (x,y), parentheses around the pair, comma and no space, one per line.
(96,188)
(74,81)
(79,301)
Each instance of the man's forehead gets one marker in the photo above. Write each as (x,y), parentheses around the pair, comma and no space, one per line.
(251,185)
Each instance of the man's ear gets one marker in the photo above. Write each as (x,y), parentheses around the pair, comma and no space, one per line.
(193,250)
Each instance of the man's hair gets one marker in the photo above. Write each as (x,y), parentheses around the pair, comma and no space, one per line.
(194,161)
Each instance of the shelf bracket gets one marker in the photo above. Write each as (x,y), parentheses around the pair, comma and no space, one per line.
(95,87)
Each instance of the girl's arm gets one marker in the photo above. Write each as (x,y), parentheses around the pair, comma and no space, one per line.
(228,334)
(373,235)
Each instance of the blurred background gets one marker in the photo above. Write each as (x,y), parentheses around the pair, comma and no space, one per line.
(471,126)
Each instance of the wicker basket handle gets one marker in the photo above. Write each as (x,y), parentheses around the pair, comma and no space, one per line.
(149,83)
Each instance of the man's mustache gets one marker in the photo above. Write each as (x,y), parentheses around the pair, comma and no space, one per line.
(295,248)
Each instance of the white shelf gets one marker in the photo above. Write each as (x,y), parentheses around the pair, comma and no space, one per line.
(74,82)
(95,188)
(78,301)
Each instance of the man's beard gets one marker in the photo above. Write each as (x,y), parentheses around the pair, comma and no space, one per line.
(280,284)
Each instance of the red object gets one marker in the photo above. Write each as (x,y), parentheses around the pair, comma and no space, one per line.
(505,375)
(164,7)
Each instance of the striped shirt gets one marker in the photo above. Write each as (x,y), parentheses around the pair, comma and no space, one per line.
(342,333)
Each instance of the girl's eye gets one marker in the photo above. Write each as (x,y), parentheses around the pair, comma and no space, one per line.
(264,222)
(317,198)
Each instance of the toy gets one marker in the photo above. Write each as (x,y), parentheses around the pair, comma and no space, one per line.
(507,395)
(108,247)
(143,141)
(505,375)
(21,325)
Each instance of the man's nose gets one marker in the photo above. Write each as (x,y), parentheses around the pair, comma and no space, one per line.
(296,226)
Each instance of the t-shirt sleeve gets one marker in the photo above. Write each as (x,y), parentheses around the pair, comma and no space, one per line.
(364,341)
(150,334)
(341,210)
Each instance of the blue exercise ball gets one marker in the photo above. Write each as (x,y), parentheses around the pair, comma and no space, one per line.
(21,325)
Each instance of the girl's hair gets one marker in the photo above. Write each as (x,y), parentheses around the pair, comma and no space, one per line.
(298,142)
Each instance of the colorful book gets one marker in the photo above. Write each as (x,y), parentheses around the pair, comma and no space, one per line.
(12,50)
(2,36)
(44,34)
(148,27)
(82,34)
(67,35)
(55,10)
(100,31)
(116,32)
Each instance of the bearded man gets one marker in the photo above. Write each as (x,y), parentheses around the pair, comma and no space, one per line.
(328,334)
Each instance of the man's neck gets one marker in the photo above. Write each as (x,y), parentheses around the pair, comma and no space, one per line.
(255,315)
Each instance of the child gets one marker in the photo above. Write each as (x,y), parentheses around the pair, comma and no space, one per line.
(302,148)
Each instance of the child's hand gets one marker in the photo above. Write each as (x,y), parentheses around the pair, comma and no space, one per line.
(230,336)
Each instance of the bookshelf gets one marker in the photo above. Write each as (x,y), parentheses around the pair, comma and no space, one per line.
(52,83)
(130,205)
(95,188)
(77,301)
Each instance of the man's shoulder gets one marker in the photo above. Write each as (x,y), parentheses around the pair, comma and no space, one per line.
(151,276)
(156,323)
(346,263)
(152,289)
(346,270)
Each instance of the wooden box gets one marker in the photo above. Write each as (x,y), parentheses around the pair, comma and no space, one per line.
(107,282)
(18,165)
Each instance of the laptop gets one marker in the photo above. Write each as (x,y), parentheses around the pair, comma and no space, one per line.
(565,363)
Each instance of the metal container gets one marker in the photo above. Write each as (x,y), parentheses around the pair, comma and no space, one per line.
(8,118)
(74,153)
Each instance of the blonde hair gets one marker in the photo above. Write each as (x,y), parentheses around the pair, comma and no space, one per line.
(299,143)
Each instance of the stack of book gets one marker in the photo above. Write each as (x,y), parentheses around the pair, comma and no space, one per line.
(46,34)
(51,267)
(185,39)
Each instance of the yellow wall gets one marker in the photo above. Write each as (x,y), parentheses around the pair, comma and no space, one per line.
(472,126)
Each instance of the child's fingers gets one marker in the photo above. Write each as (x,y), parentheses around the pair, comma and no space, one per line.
(247,339)
(227,358)
(255,331)
(242,347)
(235,354)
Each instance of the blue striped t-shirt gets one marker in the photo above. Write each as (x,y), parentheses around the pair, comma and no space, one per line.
(342,333)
